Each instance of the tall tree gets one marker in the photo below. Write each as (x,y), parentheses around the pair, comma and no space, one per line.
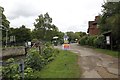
(4,23)
(110,21)
(4,20)
(44,29)
(21,34)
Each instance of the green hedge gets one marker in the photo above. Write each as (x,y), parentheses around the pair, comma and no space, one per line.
(34,61)
(99,41)
(95,41)
(83,40)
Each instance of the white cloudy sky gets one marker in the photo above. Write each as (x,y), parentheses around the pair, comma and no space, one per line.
(67,15)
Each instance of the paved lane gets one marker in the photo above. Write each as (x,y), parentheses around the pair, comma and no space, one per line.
(94,64)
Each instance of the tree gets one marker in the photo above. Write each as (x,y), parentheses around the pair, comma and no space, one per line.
(21,34)
(5,23)
(109,21)
(44,29)
(80,34)
(77,35)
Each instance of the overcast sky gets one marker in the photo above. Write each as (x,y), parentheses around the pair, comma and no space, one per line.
(67,15)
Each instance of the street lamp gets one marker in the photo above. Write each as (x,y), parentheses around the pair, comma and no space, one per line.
(1,27)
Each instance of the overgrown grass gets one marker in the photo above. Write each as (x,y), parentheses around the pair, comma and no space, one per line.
(64,66)
(109,52)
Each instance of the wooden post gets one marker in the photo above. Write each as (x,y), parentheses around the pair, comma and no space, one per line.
(39,49)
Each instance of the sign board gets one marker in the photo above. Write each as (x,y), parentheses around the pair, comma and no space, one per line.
(107,39)
(29,43)
(66,38)
(12,38)
(66,46)
(21,66)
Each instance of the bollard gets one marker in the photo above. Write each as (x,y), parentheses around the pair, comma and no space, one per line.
(21,69)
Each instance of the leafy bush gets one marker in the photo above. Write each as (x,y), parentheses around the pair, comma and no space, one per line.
(95,41)
(99,42)
(28,73)
(37,61)
(90,40)
(34,60)
(47,52)
(10,70)
(83,40)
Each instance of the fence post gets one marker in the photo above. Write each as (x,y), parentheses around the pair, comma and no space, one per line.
(21,68)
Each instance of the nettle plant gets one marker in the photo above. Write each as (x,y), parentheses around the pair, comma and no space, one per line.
(34,61)
(11,70)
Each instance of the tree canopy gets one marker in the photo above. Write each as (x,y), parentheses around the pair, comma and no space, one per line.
(21,34)
(73,36)
(44,29)
(110,21)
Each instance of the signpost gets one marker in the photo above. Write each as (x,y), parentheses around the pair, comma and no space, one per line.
(66,45)
(21,69)
(108,40)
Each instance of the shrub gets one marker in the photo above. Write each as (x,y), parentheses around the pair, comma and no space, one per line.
(99,42)
(47,52)
(34,60)
(37,61)
(96,41)
(83,40)
(10,71)
(90,40)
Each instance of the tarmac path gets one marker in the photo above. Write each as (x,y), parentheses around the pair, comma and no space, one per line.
(94,64)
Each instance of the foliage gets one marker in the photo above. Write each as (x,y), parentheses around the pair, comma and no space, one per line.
(35,40)
(26,34)
(99,42)
(10,70)
(73,36)
(43,25)
(95,41)
(83,40)
(64,66)
(34,60)
(109,21)
(28,73)
(5,24)
(90,40)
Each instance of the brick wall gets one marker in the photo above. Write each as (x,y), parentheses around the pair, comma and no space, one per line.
(92,27)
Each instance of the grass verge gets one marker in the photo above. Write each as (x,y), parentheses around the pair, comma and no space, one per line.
(108,52)
(64,66)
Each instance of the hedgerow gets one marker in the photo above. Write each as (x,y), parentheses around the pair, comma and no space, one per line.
(95,41)
(34,61)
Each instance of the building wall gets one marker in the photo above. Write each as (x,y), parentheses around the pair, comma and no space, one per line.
(92,28)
